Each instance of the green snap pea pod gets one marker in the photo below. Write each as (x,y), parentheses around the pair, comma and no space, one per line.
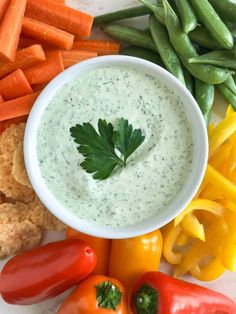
(165,49)
(130,35)
(228,95)
(188,18)
(213,23)
(204,95)
(185,49)
(225,8)
(157,10)
(143,53)
(188,80)
(230,84)
(121,15)
(202,37)
(221,58)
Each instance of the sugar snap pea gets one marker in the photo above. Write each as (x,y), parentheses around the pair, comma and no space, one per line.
(157,10)
(185,49)
(230,84)
(204,95)
(188,18)
(143,53)
(121,15)
(213,23)
(222,58)
(225,8)
(130,35)
(202,37)
(188,80)
(228,95)
(165,49)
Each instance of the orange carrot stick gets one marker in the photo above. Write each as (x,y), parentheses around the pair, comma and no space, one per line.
(10,29)
(15,85)
(1,99)
(39,87)
(46,70)
(71,57)
(5,124)
(18,107)
(47,34)
(24,58)
(102,47)
(27,41)
(60,1)
(61,16)
(3,7)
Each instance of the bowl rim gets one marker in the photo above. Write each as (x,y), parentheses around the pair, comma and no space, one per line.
(47,197)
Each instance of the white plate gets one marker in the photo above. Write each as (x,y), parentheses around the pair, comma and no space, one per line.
(227,283)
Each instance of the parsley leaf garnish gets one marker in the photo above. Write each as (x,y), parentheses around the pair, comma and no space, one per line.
(99,148)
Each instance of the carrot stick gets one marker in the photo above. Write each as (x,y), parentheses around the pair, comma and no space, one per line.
(5,124)
(47,34)
(27,41)
(60,1)
(15,85)
(72,57)
(61,16)
(1,99)
(103,47)
(46,70)
(18,107)
(3,7)
(10,29)
(24,58)
(39,87)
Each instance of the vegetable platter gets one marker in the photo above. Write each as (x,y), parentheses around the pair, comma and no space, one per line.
(226,284)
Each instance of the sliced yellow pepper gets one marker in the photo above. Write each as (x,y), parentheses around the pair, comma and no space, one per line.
(229,111)
(209,272)
(221,155)
(228,254)
(183,239)
(221,133)
(221,183)
(192,227)
(211,193)
(170,236)
(200,204)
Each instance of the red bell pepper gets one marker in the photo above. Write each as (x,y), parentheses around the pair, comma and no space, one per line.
(46,271)
(159,293)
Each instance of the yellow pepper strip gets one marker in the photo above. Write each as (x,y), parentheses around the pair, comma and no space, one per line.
(200,204)
(192,227)
(170,236)
(183,239)
(194,255)
(221,183)
(211,271)
(228,254)
(221,155)
(231,163)
(221,133)
(229,111)
(211,127)
(211,193)
(131,258)
(228,204)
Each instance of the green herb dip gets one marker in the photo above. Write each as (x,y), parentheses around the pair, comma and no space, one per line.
(155,173)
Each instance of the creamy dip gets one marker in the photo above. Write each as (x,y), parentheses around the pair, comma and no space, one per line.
(155,173)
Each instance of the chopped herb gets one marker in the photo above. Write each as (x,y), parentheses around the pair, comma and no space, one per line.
(99,148)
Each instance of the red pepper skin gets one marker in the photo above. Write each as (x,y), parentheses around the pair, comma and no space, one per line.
(46,271)
(180,297)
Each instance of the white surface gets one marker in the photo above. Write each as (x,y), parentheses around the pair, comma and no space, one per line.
(226,284)
(191,183)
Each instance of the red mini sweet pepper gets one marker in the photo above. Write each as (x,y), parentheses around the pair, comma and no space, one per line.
(157,293)
(46,271)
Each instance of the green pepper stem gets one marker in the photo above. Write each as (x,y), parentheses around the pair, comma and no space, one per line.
(146,300)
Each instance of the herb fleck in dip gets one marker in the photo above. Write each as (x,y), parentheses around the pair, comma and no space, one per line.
(154,174)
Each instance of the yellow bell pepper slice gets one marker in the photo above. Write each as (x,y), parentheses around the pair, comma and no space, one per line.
(192,227)
(200,204)
(229,111)
(183,239)
(228,254)
(211,127)
(221,133)
(209,272)
(228,204)
(211,193)
(221,183)
(221,155)
(194,255)
(170,236)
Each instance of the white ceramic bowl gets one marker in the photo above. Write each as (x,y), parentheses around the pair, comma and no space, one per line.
(191,184)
